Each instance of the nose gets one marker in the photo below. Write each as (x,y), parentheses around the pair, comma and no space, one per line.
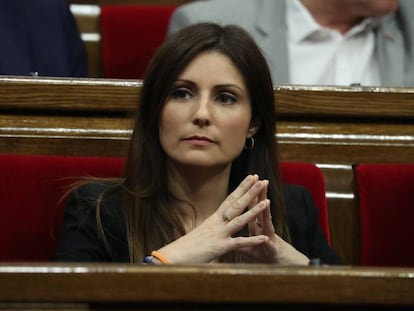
(202,113)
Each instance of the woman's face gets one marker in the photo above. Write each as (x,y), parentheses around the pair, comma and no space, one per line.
(207,117)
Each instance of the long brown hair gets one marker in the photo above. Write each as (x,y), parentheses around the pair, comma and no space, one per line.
(150,222)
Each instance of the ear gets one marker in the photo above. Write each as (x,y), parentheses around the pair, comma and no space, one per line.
(253,128)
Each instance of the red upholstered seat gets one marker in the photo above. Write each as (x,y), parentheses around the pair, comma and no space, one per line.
(310,176)
(33,187)
(386,202)
(31,192)
(130,36)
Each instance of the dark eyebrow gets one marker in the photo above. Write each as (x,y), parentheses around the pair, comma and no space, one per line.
(218,86)
(185,82)
(229,86)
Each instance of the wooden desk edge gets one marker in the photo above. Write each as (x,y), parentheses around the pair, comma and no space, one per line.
(120,95)
(219,283)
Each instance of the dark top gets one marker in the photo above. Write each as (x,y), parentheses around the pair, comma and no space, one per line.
(40,36)
(80,241)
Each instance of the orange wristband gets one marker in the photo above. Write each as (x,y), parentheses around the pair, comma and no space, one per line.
(160,257)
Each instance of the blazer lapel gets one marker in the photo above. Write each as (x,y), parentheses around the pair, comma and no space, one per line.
(271,26)
(390,49)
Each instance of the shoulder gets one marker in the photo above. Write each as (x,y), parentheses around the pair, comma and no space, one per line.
(403,16)
(219,11)
(212,10)
(83,238)
(83,201)
(52,10)
(406,5)
(215,5)
(90,190)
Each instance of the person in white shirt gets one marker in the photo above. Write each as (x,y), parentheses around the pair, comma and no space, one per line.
(330,42)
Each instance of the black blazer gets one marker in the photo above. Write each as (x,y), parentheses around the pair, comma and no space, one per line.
(80,241)
(40,36)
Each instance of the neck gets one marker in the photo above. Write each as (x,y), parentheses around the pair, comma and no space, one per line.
(332,14)
(203,189)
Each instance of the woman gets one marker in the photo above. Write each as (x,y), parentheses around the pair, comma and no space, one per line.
(201,179)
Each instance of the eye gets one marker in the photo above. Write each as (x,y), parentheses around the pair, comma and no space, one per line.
(226,98)
(181,94)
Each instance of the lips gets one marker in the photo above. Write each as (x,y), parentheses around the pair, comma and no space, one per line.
(199,140)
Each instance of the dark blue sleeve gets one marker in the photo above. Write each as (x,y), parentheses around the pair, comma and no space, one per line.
(306,234)
(40,36)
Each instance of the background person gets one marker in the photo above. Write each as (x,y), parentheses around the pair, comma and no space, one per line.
(40,37)
(332,42)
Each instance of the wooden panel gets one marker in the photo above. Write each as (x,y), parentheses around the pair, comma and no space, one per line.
(217,286)
(329,102)
(321,101)
(339,142)
(88,20)
(64,135)
(54,94)
(342,211)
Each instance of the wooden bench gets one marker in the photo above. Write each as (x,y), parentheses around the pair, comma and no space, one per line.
(203,287)
(334,127)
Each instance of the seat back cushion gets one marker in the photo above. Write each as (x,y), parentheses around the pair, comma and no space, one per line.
(386,202)
(32,192)
(130,36)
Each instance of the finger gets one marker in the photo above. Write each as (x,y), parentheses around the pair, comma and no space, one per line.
(263,193)
(268,228)
(239,221)
(253,228)
(256,227)
(238,206)
(244,186)
(258,223)
(246,243)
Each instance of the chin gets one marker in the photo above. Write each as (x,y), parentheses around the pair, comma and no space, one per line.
(391,6)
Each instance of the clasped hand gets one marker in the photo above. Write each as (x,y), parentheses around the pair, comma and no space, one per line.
(247,205)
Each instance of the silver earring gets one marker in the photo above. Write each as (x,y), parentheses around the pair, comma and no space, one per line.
(249,145)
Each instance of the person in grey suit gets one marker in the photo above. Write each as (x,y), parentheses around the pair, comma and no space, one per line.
(335,42)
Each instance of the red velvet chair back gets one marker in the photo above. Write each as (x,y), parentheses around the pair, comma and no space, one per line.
(130,36)
(386,202)
(31,191)
(33,187)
